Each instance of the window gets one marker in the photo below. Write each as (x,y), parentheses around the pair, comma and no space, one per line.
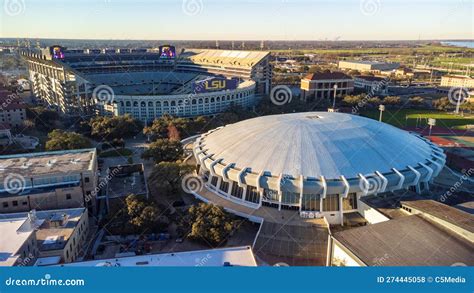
(24,203)
(350,203)
(237,191)
(290,197)
(252,194)
(331,203)
(270,195)
(214,181)
(224,186)
(86,180)
(15,203)
(68,196)
(310,202)
(5,204)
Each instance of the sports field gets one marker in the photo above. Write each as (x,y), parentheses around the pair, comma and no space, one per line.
(411,117)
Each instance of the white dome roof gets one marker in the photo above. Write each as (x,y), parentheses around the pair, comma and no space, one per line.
(315,144)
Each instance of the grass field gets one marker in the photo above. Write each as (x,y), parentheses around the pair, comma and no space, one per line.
(429,49)
(408,117)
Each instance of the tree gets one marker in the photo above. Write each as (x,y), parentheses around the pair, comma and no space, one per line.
(416,101)
(442,104)
(63,140)
(374,101)
(159,128)
(43,118)
(173,133)
(352,100)
(208,223)
(164,150)
(392,100)
(115,127)
(167,176)
(142,214)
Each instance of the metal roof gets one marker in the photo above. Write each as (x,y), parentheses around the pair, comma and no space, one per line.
(315,144)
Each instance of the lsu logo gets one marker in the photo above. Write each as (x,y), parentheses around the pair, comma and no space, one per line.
(215,85)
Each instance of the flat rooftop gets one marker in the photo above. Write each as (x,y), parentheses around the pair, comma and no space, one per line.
(389,203)
(444,212)
(233,256)
(13,233)
(48,236)
(407,241)
(45,163)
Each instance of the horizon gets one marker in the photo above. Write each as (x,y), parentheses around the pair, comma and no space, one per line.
(271,20)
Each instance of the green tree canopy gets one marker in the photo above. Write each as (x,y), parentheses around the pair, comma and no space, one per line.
(164,150)
(208,223)
(63,140)
(115,127)
(167,176)
(392,100)
(144,215)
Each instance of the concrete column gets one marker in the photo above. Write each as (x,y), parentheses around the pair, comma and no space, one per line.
(341,209)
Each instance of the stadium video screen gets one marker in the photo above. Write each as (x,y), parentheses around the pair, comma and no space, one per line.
(57,52)
(215,84)
(167,52)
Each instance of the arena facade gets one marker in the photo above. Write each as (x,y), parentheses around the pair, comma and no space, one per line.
(317,163)
(147,83)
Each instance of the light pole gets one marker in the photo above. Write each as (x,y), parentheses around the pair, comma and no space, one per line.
(334,100)
(381,108)
(431,123)
(458,102)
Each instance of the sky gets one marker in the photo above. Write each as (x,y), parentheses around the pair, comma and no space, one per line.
(238,19)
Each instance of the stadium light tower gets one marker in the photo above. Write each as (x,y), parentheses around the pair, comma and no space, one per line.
(381,108)
(334,99)
(431,123)
(458,102)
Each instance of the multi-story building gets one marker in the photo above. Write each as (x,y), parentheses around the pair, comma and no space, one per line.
(18,242)
(48,180)
(55,236)
(144,84)
(12,109)
(371,84)
(462,81)
(322,85)
(367,66)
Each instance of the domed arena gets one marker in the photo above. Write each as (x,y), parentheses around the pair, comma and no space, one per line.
(318,163)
